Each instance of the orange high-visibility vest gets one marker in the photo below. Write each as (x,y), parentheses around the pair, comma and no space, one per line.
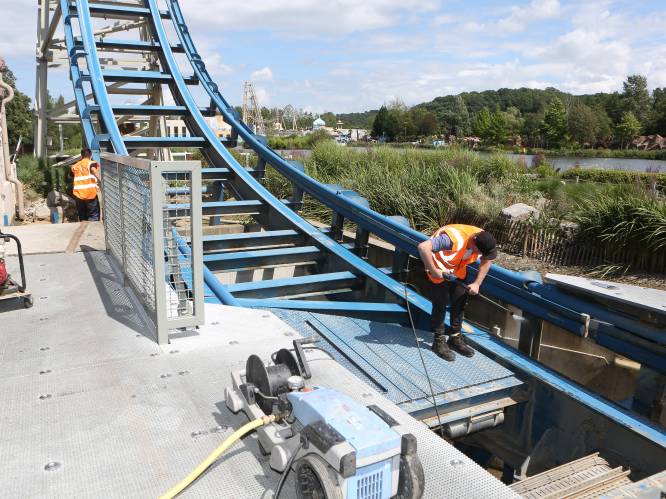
(458,257)
(85,183)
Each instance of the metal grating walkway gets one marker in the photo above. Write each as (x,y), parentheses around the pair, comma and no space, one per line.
(385,356)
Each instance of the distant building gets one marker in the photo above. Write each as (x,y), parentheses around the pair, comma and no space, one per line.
(177,127)
(317,124)
(354,134)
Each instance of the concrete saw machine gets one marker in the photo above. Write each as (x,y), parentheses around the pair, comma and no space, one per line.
(337,447)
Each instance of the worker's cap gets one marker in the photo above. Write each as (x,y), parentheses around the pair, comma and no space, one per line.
(486,244)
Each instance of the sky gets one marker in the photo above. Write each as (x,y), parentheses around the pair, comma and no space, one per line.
(347,55)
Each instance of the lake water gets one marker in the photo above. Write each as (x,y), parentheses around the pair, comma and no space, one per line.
(568,162)
(563,162)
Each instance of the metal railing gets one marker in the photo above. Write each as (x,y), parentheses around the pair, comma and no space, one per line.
(148,205)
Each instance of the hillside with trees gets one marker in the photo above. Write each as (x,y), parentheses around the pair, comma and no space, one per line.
(532,117)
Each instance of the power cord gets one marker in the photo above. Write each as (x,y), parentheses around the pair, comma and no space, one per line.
(425,368)
(285,473)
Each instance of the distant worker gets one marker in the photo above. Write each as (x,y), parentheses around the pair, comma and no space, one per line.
(86,178)
(445,257)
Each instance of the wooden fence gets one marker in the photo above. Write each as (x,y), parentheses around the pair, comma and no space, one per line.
(564,246)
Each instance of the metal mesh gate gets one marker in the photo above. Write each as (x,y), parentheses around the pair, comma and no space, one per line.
(150,216)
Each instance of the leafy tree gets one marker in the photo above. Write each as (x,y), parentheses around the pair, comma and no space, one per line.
(482,126)
(425,122)
(460,121)
(604,127)
(637,97)
(358,120)
(554,126)
(392,126)
(583,125)
(658,115)
(498,127)
(330,119)
(379,125)
(19,117)
(532,129)
(513,120)
(490,127)
(628,128)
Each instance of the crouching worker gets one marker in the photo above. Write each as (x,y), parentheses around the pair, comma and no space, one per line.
(86,178)
(445,257)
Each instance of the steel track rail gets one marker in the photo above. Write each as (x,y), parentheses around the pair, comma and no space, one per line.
(242,180)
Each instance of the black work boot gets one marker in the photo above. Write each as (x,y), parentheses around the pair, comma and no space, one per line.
(457,343)
(442,350)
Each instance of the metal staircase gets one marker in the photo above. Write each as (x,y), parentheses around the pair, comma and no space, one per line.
(584,478)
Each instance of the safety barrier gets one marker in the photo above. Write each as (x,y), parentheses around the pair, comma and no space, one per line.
(142,221)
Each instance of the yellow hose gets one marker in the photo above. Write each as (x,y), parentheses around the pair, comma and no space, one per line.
(213,456)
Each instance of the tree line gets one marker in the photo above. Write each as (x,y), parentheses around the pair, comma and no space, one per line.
(545,118)
(537,118)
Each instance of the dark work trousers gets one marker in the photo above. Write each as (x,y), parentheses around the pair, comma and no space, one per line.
(441,295)
(88,209)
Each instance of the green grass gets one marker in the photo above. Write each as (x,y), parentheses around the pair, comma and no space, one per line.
(586,153)
(298,141)
(623,218)
(426,186)
(33,174)
(433,187)
(616,177)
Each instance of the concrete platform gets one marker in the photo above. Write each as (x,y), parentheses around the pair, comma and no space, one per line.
(57,238)
(84,385)
(649,299)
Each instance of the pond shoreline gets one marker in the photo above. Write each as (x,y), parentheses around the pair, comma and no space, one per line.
(562,163)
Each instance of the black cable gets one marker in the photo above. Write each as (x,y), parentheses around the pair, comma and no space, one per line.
(285,473)
(425,369)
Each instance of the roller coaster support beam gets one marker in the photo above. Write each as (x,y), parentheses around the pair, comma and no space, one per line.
(45,30)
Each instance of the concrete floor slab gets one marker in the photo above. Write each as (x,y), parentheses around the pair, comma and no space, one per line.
(83,385)
(57,238)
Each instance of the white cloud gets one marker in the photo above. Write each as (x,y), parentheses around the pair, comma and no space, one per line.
(263,74)
(444,19)
(395,43)
(17,26)
(473,26)
(369,52)
(300,18)
(263,96)
(537,10)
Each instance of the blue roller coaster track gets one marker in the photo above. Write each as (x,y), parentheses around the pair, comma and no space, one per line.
(337,277)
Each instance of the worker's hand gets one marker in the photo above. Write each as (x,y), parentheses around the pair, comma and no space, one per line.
(473,289)
(436,274)
(449,275)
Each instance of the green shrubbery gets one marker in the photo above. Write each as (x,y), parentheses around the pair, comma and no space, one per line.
(582,153)
(298,141)
(429,187)
(33,174)
(624,219)
(615,176)
(426,186)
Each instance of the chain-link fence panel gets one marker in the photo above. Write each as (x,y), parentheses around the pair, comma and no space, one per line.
(138,234)
(153,231)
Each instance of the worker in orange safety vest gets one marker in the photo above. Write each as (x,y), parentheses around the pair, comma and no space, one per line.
(445,257)
(86,179)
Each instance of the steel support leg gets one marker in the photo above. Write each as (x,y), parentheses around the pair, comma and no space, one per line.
(41,82)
